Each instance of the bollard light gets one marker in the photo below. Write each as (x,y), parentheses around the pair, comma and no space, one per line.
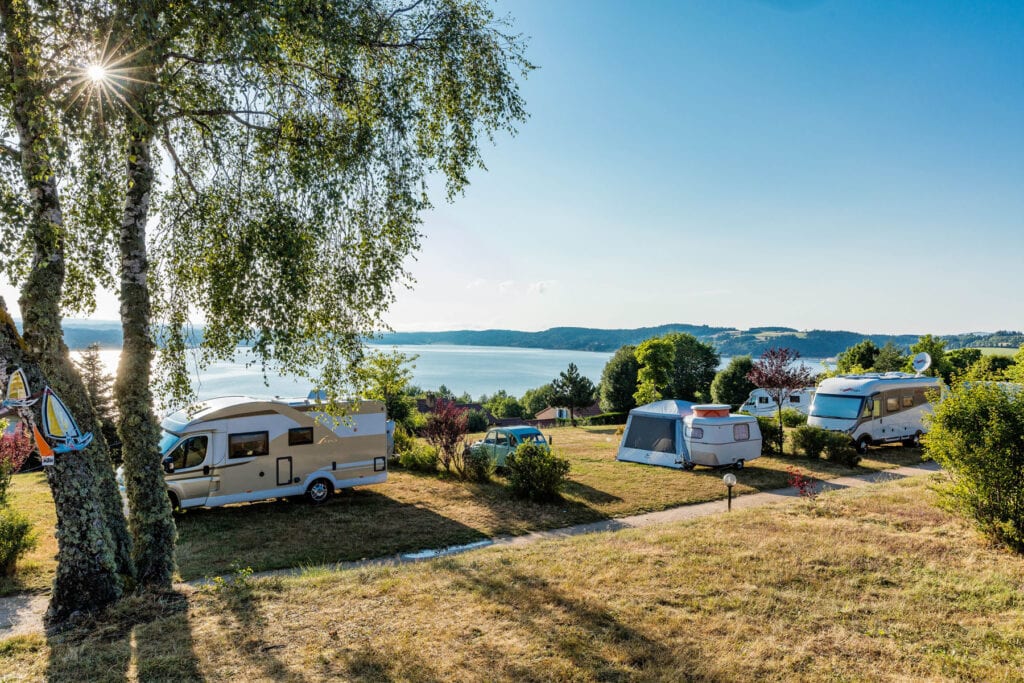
(730,481)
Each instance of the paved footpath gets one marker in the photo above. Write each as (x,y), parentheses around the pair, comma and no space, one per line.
(22,614)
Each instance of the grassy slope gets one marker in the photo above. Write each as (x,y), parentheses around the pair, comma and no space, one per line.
(869,584)
(415,511)
(997,351)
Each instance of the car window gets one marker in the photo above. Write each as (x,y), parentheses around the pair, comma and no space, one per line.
(502,439)
(491,438)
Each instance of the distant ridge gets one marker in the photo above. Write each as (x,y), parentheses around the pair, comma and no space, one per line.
(729,341)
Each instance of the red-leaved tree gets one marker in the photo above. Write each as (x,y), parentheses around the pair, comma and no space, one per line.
(446,430)
(777,373)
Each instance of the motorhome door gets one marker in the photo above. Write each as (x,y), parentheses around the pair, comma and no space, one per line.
(193,471)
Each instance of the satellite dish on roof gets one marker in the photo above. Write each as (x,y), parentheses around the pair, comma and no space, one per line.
(921,362)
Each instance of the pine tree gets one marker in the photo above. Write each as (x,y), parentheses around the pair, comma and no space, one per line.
(572,390)
(99,385)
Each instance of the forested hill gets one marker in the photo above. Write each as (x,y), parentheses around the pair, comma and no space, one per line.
(729,341)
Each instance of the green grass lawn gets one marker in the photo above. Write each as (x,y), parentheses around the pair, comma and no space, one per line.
(415,511)
(875,583)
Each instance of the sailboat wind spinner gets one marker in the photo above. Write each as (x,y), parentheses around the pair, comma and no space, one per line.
(60,426)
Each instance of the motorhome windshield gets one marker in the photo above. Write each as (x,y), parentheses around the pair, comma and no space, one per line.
(167,441)
(839,407)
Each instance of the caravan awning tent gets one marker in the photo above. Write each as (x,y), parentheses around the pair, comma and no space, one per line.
(654,434)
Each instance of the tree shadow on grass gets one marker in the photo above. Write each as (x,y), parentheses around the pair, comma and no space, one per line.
(586,632)
(150,632)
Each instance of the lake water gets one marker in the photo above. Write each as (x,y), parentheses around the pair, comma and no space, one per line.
(473,369)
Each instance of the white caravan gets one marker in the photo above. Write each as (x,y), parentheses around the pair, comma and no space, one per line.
(715,438)
(235,449)
(681,435)
(875,408)
(760,404)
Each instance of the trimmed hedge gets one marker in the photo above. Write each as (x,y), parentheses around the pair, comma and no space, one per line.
(607,419)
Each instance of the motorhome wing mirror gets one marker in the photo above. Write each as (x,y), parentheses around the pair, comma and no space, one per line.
(168,464)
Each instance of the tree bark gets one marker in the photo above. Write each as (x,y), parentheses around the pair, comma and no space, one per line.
(93,545)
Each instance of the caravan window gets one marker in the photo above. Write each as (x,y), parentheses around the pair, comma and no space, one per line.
(248,444)
(741,432)
(300,436)
(695,432)
(651,434)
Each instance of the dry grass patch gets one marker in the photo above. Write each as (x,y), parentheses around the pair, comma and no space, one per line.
(868,584)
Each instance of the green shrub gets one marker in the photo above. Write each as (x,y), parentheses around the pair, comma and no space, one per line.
(16,539)
(793,418)
(477,464)
(771,433)
(840,448)
(810,440)
(476,421)
(403,440)
(607,419)
(419,458)
(977,435)
(536,473)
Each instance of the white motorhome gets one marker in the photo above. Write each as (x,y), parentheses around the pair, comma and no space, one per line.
(875,408)
(761,404)
(235,448)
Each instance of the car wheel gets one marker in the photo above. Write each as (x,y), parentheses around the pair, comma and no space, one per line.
(863,443)
(175,503)
(319,491)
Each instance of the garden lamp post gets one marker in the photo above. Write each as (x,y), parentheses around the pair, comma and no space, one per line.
(730,481)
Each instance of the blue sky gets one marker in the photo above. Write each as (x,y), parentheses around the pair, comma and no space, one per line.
(854,165)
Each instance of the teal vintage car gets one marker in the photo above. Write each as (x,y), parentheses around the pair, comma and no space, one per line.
(501,441)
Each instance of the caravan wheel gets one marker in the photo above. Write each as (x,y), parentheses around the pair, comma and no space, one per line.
(319,491)
(738,464)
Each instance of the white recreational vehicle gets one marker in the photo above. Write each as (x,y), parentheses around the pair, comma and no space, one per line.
(681,435)
(761,404)
(875,408)
(235,448)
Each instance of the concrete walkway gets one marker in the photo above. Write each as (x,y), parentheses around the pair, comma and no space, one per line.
(22,614)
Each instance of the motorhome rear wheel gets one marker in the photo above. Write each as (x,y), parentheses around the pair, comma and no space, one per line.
(319,491)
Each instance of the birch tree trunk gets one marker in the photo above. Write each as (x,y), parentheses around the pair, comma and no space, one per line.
(151,521)
(92,542)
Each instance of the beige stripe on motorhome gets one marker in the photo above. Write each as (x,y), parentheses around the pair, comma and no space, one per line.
(297,414)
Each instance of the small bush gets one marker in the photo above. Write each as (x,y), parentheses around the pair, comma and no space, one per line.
(840,448)
(478,465)
(476,421)
(770,434)
(793,418)
(403,440)
(419,458)
(536,473)
(810,440)
(16,539)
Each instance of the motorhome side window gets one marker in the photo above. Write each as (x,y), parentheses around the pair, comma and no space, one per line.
(248,444)
(794,398)
(300,436)
(763,400)
(892,404)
